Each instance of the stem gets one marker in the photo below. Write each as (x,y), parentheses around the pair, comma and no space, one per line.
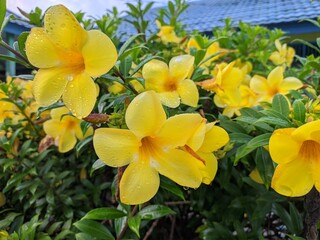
(118,74)
(312,206)
(16,53)
(153,226)
(133,212)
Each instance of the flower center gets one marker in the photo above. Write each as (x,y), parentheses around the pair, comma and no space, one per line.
(170,86)
(149,149)
(310,151)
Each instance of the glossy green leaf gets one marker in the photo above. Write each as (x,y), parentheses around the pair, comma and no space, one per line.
(280,104)
(134,224)
(299,111)
(172,187)
(104,214)
(94,229)
(3,10)
(259,141)
(152,212)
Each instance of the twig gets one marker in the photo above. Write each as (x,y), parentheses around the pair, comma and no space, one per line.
(149,232)
(173,225)
(177,203)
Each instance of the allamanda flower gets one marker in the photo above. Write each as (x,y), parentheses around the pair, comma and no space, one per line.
(170,83)
(68,58)
(283,55)
(207,139)
(65,129)
(297,153)
(151,145)
(274,84)
(167,34)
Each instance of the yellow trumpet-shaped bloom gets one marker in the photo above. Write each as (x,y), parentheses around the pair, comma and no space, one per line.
(151,146)
(68,58)
(65,129)
(297,153)
(283,55)
(171,83)
(274,84)
(226,78)
(167,34)
(207,139)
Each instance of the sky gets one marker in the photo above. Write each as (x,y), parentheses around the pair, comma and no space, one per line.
(94,8)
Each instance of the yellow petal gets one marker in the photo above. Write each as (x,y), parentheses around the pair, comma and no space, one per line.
(80,95)
(275,77)
(188,92)
(99,53)
(211,167)
(52,128)
(180,167)
(255,176)
(276,58)
(293,179)
(115,147)
(259,84)
(233,79)
(41,52)
(170,99)
(155,73)
(145,115)
(309,131)
(66,141)
(56,113)
(215,138)
(197,138)
(289,83)
(177,130)
(282,147)
(63,28)
(180,66)
(139,183)
(49,84)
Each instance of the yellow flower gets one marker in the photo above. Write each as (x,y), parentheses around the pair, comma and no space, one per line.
(207,139)
(65,129)
(8,110)
(68,58)
(297,153)
(274,84)
(4,235)
(151,145)
(167,34)
(227,78)
(170,83)
(235,99)
(283,55)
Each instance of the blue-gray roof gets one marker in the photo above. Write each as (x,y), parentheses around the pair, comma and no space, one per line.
(204,15)
(16,26)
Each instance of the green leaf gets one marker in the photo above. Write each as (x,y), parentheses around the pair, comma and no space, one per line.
(299,111)
(250,112)
(80,145)
(152,212)
(3,10)
(255,122)
(239,137)
(134,224)
(13,59)
(264,165)
(96,165)
(104,214)
(275,121)
(280,104)
(125,66)
(232,126)
(296,219)
(22,42)
(94,229)
(8,220)
(127,43)
(253,144)
(172,187)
